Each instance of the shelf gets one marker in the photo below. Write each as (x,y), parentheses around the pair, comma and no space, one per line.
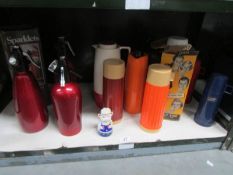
(47,3)
(173,5)
(193,5)
(12,138)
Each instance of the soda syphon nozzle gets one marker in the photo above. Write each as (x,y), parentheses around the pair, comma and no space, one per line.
(13,61)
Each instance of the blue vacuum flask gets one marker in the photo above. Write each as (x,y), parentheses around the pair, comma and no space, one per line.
(211,99)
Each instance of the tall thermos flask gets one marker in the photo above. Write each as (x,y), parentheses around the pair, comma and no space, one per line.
(28,103)
(104,51)
(211,99)
(113,87)
(66,97)
(155,97)
(135,78)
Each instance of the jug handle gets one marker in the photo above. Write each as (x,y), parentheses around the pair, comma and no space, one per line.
(125,47)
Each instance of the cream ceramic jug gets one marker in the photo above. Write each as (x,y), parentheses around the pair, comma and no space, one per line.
(103,52)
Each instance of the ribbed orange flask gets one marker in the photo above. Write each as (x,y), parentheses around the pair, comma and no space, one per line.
(135,78)
(155,97)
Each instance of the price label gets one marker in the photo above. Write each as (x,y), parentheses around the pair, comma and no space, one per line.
(126,143)
(125,139)
(137,4)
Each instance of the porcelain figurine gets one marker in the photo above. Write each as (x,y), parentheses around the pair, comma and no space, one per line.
(105,124)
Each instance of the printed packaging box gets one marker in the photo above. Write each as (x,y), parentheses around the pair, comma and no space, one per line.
(29,41)
(182,64)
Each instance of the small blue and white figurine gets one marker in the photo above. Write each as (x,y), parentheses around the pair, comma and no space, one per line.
(105,124)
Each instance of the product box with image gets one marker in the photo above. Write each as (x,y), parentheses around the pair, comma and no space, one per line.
(182,64)
(29,41)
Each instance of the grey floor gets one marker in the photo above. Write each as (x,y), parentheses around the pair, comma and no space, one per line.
(202,162)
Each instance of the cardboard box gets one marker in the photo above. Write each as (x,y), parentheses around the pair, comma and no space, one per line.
(182,64)
(29,41)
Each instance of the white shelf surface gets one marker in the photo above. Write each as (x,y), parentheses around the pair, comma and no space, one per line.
(12,138)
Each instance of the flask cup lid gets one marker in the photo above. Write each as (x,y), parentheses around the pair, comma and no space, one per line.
(159,75)
(114,68)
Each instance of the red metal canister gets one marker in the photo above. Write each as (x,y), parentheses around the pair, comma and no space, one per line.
(66,97)
(28,103)
(67,103)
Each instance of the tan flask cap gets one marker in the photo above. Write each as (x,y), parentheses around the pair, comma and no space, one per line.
(159,75)
(114,69)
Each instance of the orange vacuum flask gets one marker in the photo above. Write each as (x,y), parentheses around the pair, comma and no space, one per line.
(135,78)
(155,97)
